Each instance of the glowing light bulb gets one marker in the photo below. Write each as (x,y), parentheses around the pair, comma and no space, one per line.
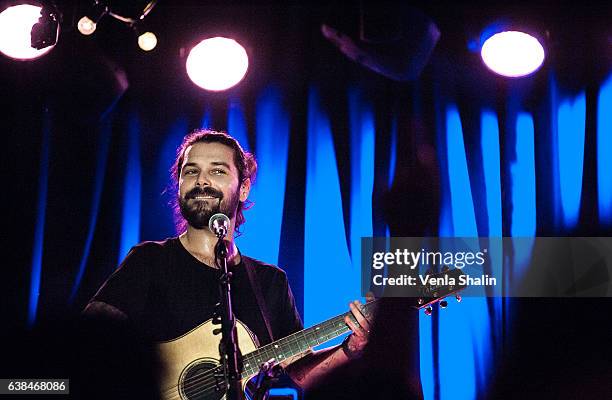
(217,63)
(513,54)
(15,32)
(147,41)
(86,26)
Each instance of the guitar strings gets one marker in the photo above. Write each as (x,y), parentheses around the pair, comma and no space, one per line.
(203,380)
(203,383)
(293,338)
(208,375)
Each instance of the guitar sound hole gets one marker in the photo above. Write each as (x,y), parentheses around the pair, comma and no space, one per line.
(202,380)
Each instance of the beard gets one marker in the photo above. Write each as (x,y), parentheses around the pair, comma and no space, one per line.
(198,213)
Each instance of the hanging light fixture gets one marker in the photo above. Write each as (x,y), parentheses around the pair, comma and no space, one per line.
(88,23)
(147,41)
(28,31)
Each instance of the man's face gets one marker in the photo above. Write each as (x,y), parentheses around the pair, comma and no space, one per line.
(209,183)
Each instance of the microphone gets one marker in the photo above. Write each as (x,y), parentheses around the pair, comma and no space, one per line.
(219,224)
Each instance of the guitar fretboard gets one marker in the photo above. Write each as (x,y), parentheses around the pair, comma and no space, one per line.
(299,342)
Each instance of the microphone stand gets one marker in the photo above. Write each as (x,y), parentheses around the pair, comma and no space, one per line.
(268,374)
(228,348)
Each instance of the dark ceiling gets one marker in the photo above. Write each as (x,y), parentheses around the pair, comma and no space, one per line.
(284,40)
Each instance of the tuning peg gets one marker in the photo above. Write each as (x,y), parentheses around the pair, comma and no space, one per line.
(216,320)
(216,331)
(458,298)
(428,311)
(420,301)
(443,304)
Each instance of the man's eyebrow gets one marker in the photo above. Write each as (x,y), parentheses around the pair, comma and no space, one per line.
(189,164)
(222,163)
(214,163)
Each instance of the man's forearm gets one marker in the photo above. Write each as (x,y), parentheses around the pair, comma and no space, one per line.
(309,369)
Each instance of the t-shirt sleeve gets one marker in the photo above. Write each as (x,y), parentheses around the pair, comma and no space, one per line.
(128,287)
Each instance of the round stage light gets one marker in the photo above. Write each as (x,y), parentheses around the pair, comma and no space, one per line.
(86,26)
(147,41)
(217,63)
(512,53)
(15,32)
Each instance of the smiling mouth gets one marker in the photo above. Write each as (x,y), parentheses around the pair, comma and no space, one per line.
(203,197)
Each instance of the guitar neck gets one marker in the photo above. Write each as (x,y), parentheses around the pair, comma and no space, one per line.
(299,342)
(303,340)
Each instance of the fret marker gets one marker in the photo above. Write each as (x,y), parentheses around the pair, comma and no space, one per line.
(246,365)
(317,328)
(276,346)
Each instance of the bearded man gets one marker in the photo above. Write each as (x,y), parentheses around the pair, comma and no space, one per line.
(168,288)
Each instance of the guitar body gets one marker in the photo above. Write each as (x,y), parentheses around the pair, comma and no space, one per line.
(191,368)
(188,362)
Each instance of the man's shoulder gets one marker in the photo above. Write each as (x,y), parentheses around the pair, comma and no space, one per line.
(262,267)
(156,245)
(151,248)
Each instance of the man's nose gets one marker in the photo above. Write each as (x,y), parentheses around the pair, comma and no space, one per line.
(202,180)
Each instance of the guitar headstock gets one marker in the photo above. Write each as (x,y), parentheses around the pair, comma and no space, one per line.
(437,287)
(431,288)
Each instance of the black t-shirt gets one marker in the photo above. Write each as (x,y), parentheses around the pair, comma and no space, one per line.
(166,292)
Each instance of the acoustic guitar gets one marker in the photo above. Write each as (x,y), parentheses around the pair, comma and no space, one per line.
(191,363)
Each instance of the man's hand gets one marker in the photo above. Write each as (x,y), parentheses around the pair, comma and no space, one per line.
(356,342)
(308,370)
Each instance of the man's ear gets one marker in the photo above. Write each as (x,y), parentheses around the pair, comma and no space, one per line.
(245,189)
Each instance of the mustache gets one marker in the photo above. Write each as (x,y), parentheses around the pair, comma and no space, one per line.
(205,191)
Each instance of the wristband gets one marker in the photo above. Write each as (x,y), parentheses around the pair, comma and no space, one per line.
(350,353)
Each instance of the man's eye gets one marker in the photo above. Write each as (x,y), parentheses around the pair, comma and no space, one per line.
(218,171)
(190,172)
